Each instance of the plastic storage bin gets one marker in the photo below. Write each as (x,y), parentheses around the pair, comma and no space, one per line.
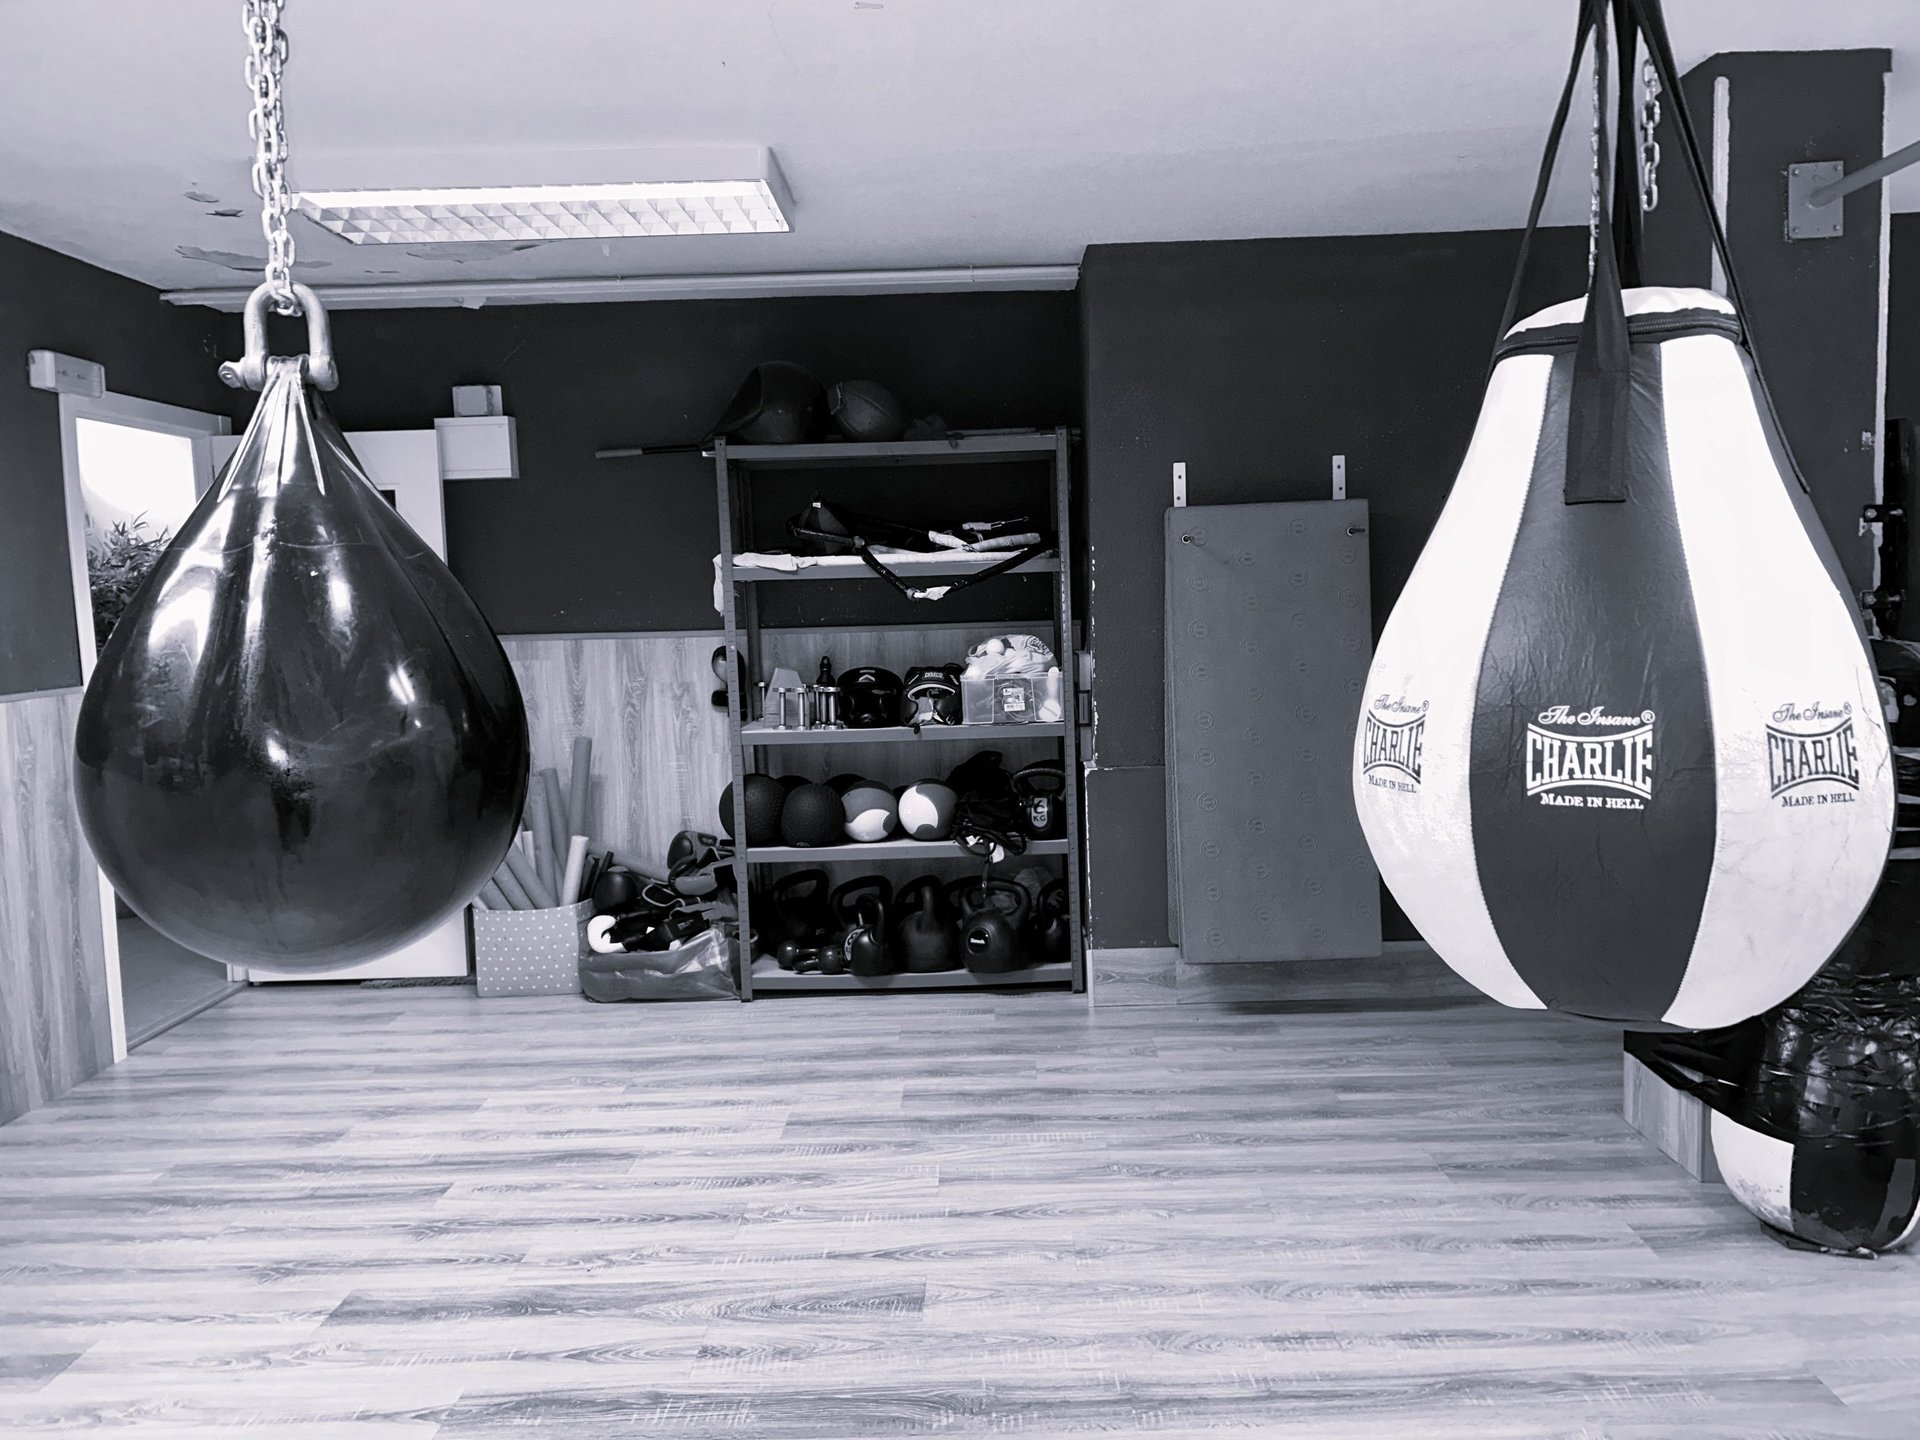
(1011,699)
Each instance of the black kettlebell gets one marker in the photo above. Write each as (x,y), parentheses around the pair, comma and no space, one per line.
(862,906)
(993,923)
(800,913)
(923,928)
(1053,924)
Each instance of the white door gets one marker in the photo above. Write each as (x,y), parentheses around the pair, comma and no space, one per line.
(404,466)
(140,467)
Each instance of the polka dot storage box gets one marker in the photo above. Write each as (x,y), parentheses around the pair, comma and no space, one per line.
(530,952)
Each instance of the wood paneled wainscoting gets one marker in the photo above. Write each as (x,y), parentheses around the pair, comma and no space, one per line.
(54,1026)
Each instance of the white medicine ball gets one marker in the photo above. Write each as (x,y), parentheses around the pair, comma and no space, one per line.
(926,810)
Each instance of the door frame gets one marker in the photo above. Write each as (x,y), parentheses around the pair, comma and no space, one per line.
(200,427)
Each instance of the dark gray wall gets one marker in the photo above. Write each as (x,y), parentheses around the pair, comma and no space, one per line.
(577,544)
(1903,320)
(1255,362)
(1814,306)
(152,350)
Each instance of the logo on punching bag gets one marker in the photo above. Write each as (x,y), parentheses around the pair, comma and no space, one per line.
(1393,736)
(1590,759)
(1812,745)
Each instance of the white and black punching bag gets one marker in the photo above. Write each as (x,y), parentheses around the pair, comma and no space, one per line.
(1621,752)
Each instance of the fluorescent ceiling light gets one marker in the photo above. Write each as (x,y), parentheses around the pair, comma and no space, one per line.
(364,206)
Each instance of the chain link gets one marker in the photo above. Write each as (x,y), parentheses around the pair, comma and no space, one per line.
(1649,147)
(1593,150)
(267,125)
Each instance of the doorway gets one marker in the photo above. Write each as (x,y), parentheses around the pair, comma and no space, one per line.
(134,472)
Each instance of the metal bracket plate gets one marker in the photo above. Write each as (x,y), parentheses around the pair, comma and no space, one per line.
(1814,222)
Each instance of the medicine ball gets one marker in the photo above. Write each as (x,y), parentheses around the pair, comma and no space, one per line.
(812,816)
(870,697)
(766,798)
(866,410)
(870,812)
(926,810)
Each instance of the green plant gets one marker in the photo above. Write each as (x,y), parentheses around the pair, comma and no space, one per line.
(117,565)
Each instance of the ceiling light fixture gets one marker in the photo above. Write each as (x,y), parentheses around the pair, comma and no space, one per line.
(752,199)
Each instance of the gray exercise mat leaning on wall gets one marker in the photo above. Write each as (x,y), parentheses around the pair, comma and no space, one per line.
(1268,639)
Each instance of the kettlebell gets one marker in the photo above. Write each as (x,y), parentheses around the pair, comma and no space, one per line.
(923,928)
(1053,925)
(861,906)
(993,923)
(800,913)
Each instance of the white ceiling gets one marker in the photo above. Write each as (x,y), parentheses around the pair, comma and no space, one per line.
(912,132)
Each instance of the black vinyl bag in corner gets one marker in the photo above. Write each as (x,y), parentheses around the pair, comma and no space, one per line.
(1816,1104)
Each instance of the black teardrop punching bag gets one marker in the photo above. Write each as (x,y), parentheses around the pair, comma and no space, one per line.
(302,746)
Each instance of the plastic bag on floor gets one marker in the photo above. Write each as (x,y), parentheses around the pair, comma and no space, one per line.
(700,969)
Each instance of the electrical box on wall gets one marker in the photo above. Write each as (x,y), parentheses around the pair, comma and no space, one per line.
(65,374)
(478,447)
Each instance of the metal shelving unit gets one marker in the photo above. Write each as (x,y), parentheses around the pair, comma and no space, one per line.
(734,468)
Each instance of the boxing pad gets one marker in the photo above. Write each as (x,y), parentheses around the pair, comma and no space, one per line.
(1621,753)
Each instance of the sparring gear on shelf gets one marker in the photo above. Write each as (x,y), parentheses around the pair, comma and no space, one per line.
(992,932)
(924,940)
(987,811)
(1621,752)
(861,907)
(933,696)
(870,698)
(1041,788)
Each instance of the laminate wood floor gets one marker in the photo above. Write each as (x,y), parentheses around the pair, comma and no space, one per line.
(344,1214)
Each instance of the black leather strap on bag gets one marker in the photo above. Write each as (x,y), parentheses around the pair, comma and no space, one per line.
(1596,443)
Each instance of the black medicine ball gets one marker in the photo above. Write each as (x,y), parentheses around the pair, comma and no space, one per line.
(766,798)
(866,410)
(813,815)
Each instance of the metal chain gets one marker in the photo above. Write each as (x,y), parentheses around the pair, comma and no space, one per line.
(1593,148)
(267,124)
(1649,147)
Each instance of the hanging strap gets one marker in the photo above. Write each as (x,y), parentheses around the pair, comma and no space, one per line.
(940,592)
(1602,358)
(1602,378)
